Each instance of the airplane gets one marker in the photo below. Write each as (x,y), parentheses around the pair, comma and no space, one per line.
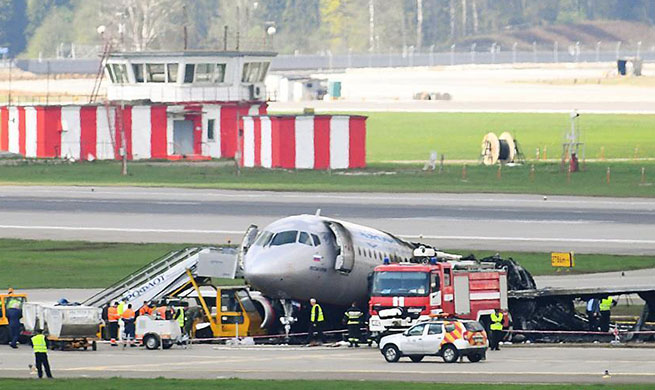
(312,256)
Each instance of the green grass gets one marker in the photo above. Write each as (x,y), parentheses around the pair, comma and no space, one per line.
(539,263)
(548,178)
(243,384)
(79,264)
(411,136)
(72,264)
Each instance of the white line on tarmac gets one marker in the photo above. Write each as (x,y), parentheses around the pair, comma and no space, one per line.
(337,196)
(431,237)
(532,239)
(127,230)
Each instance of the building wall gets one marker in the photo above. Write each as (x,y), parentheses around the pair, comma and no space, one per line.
(91,132)
(304,142)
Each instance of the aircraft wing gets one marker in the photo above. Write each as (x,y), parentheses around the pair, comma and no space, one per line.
(582,293)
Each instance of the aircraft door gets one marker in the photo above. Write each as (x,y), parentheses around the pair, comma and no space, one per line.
(345,260)
(246,243)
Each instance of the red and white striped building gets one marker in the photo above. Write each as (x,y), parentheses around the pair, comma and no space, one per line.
(304,141)
(193,105)
(90,132)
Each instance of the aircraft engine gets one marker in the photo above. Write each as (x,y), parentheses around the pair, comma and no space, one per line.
(266,309)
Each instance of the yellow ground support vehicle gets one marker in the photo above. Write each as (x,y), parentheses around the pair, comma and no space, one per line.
(230,313)
(5,299)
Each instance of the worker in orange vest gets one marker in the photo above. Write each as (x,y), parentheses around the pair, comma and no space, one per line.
(112,317)
(160,312)
(146,309)
(129,318)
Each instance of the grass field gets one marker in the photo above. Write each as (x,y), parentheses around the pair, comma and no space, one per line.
(411,136)
(547,179)
(79,264)
(240,384)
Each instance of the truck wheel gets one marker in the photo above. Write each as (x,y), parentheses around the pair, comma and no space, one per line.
(417,358)
(450,354)
(474,357)
(151,341)
(391,353)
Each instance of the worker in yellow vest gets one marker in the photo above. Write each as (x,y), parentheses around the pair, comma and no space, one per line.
(605,309)
(40,347)
(496,328)
(316,321)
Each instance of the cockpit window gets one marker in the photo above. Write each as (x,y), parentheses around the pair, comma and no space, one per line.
(283,238)
(303,238)
(263,239)
(317,241)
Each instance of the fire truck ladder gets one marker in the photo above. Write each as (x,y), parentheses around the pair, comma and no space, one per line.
(143,275)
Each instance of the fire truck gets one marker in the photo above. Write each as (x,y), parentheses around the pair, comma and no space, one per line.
(432,284)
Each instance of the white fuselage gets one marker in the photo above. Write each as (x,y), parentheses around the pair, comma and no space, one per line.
(300,269)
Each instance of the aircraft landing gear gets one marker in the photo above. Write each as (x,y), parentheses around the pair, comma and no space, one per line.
(288,319)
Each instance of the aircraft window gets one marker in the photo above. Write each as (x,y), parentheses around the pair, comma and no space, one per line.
(263,239)
(359,250)
(317,241)
(303,238)
(283,238)
(435,329)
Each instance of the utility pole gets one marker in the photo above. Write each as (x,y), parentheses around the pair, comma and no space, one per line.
(419,24)
(371,25)
(186,34)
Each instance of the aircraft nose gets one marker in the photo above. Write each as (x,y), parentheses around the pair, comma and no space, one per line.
(262,274)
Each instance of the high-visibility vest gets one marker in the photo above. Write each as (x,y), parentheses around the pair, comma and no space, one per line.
(317,314)
(121,308)
(13,303)
(606,304)
(353,315)
(145,310)
(161,310)
(496,321)
(180,317)
(112,314)
(128,314)
(39,344)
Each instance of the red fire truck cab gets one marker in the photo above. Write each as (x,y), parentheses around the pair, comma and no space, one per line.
(404,294)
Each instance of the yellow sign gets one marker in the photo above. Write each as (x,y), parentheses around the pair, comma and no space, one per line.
(562,259)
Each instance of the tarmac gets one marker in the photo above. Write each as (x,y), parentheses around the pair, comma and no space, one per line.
(496,222)
(536,364)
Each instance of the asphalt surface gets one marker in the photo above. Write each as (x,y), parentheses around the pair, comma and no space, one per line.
(532,364)
(462,221)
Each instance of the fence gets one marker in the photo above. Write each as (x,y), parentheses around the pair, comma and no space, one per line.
(457,55)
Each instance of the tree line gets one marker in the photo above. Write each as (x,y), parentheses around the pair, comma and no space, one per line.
(37,27)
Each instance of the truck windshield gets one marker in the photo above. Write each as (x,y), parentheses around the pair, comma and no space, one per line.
(403,284)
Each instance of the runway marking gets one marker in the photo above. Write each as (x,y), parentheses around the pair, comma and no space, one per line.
(128,230)
(361,371)
(539,239)
(267,195)
(413,236)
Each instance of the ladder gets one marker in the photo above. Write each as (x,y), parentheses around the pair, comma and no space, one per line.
(142,276)
(99,76)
